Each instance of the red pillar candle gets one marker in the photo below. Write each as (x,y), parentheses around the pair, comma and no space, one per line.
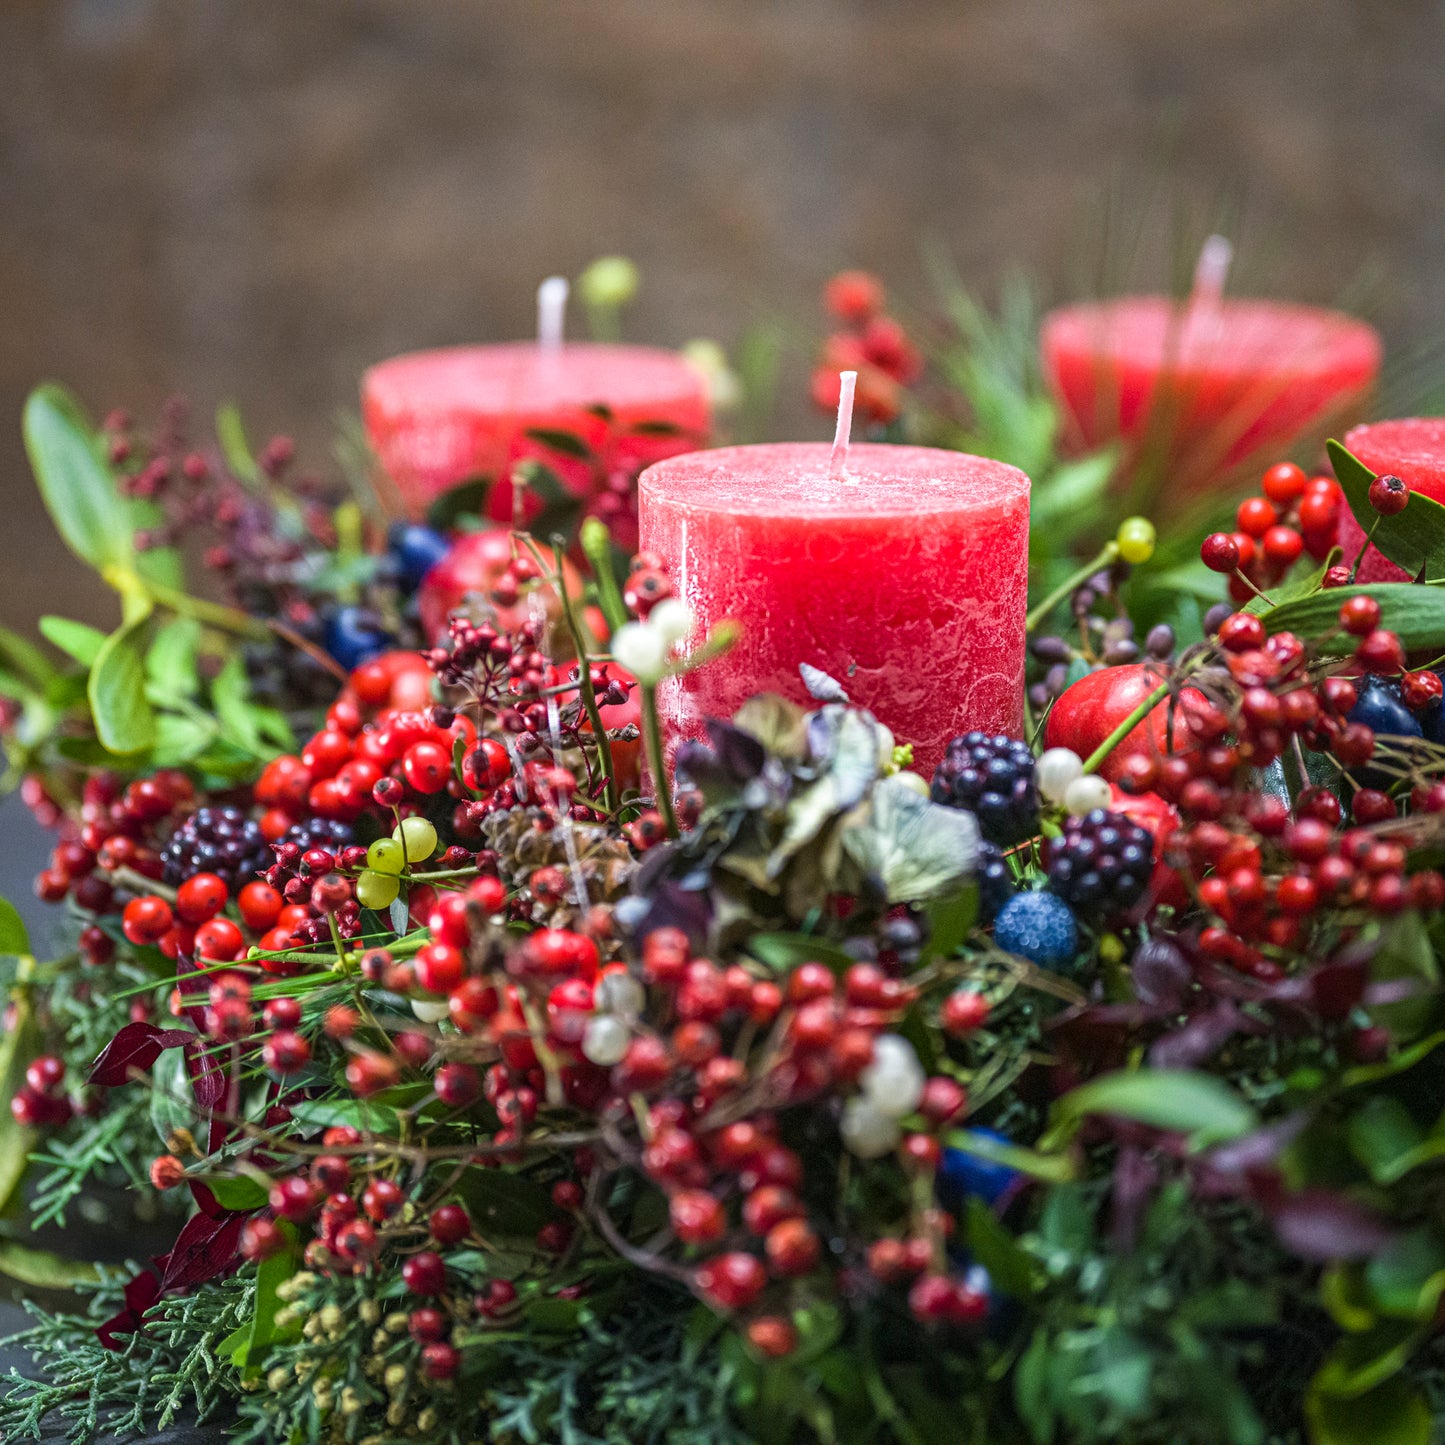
(906,580)
(1197,388)
(439,418)
(1413,449)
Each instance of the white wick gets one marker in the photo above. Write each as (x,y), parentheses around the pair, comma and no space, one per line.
(551,313)
(838,461)
(1211,271)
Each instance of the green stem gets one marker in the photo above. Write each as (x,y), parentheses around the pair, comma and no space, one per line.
(1108,554)
(1111,742)
(584,683)
(1365,545)
(652,736)
(597,547)
(214,614)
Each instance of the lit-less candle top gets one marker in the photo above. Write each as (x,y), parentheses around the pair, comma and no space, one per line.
(906,579)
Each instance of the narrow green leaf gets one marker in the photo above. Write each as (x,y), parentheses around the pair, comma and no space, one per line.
(1052,1168)
(76,484)
(234,1191)
(1412,539)
(17,1048)
(40,1269)
(231,434)
(1011,1268)
(14,936)
(1359,1363)
(1394,1414)
(1175,1099)
(25,658)
(273,1272)
(77,639)
(1416,614)
(566,442)
(124,720)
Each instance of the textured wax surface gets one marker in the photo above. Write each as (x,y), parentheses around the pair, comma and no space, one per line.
(1413,449)
(907,583)
(437,418)
(1236,374)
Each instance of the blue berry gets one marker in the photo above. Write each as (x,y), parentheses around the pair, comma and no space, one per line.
(995,881)
(1381,709)
(1100,865)
(993,778)
(354,636)
(417,549)
(1039,927)
(961,1174)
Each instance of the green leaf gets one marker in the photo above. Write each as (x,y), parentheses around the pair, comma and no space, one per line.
(1054,1168)
(1394,1414)
(1069,489)
(80,641)
(1179,1100)
(229,695)
(785,951)
(1407,1277)
(17,1048)
(1361,1362)
(1011,1268)
(1416,614)
(25,658)
(1414,538)
(553,1316)
(915,848)
(171,660)
(14,936)
(1405,952)
(363,1114)
(40,1269)
(76,484)
(236,1191)
(469,499)
(173,1101)
(949,922)
(181,739)
(124,720)
(505,1204)
(272,1273)
(1388,1142)
(568,443)
(231,433)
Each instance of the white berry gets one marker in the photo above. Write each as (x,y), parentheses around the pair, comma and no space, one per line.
(428,1010)
(893,1082)
(1056,770)
(1085,794)
(619,993)
(606,1040)
(866,1131)
(673,618)
(641,649)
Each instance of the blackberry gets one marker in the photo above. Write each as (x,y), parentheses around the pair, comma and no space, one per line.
(1101,864)
(995,881)
(328,833)
(993,778)
(216,840)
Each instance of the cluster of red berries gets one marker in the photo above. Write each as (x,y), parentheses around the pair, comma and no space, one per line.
(870,342)
(1296,514)
(1265,874)
(41,1102)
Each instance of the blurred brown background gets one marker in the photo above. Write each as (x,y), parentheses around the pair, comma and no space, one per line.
(255,200)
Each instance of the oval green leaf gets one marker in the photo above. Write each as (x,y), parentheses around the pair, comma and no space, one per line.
(1179,1100)
(76,484)
(1416,614)
(14,937)
(124,719)
(1413,539)
(76,639)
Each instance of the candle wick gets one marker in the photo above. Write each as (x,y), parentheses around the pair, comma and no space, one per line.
(551,313)
(838,461)
(1211,271)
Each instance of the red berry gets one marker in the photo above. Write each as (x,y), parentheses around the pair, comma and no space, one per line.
(1389,495)
(219,941)
(427,1325)
(1381,652)
(457,1085)
(260,1239)
(440,1361)
(427,766)
(146,919)
(792,1247)
(260,906)
(294,1198)
(1282,546)
(773,1336)
(964,1012)
(439,967)
(731,1281)
(286,1052)
(382,1199)
(201,898)
(450,1224)
(1220,552)
(853,296)
(1284,483)
(697,1216)
(424,1273)
(1359,615)
(1420,689)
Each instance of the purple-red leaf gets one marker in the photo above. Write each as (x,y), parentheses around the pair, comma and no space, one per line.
(136,1046)
(205,1248)
(1318,1224)
(140,1294)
